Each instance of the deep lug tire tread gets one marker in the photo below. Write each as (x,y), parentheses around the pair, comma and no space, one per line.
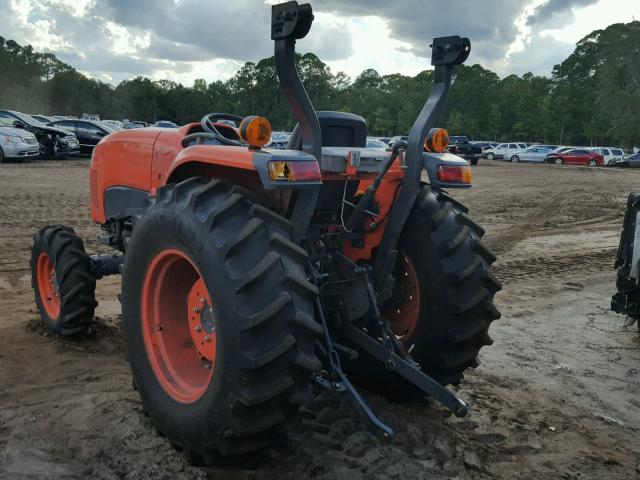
(268,366)
(77,283)
(446,245)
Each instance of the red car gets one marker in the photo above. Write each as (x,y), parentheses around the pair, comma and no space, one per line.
(576,156)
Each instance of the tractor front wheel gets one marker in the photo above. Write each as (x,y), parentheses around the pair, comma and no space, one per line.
(218,320)
(442,303)
(63,281)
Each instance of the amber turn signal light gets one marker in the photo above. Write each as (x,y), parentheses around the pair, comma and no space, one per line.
(256,131)
(294,171)
(437,140)
(454,174)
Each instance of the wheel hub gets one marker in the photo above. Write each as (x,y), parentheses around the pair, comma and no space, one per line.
(403,308)
(48,286)
(202,321)
(178,325)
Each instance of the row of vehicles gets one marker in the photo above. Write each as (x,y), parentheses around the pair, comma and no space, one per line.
(125,124)
(23,136)
(560,155)
(55,137)
(458,145)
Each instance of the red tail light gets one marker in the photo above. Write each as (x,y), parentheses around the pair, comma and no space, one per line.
(454,174)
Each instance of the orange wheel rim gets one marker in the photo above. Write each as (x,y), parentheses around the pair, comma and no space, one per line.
(178,326)
(48,286)
(403,308)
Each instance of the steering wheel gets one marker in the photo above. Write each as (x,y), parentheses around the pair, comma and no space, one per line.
(208,126)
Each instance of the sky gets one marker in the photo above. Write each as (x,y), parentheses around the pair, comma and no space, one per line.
(182,40)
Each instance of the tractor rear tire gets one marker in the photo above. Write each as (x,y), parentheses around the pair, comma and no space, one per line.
(453,287)
(63,281)
(261,320)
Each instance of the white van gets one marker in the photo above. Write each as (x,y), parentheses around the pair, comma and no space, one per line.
(611,154)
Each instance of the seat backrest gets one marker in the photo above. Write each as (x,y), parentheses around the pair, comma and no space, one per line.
(339,129)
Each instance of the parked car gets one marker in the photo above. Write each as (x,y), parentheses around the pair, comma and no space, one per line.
(129,125)
(53,142)
(503,150)
(548,147)
(460,146)
(115,123)
(610,154)
(376,143)
(398,138)
(630,161)
(89,132)
(111,126)
(43,118)
(577,156)
(91,116)
(485,145)
(16,142)
(279,140)
(562,149)
(165,124)
(530,154)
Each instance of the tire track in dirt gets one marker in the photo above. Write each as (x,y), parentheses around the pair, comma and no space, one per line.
(70,404)
(570,264)
(502,241)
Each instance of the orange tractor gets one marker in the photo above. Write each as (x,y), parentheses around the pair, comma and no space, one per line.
(252,276)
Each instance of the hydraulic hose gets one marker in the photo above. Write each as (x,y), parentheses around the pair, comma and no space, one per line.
(367,199)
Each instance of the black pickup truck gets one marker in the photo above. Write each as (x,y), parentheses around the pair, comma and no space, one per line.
(460,146)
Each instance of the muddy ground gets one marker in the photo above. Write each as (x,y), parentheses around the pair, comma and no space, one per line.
(556,396)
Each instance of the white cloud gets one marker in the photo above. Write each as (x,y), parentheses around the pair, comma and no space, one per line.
(595,17)
(187,39)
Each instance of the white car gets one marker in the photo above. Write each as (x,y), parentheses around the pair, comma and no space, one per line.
(503,150)
(610,154)
(17,143)
(116,123)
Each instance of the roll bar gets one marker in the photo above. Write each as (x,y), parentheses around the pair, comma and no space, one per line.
(290,22)
(446,53)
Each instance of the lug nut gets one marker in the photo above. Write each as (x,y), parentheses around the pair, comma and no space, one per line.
(198,328)
(206,338)
(196,310)
(159,328)
(207,365)
(202,301)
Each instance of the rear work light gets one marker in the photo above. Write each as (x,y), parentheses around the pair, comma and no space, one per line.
(454,174)
(256,131)
(437,140)
(294,171)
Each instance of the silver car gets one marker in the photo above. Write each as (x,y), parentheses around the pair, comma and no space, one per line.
(17,143)
(531,154)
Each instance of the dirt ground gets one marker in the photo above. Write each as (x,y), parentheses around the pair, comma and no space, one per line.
(556,396)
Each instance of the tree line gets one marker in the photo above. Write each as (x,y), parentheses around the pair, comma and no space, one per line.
(591,98)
